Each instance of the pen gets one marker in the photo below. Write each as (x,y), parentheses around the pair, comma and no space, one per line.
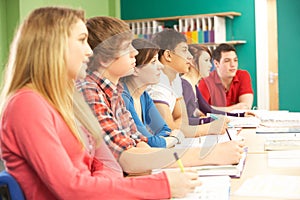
(228,134)
(178,160)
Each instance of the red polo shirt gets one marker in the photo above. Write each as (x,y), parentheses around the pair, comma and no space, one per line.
(215,94)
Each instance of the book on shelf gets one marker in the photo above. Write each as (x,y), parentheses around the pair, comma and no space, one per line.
(219,29)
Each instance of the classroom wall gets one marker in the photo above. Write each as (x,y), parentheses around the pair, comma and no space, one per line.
(12,12)
(240,28)
(3,36)
(8,17)
(288,16)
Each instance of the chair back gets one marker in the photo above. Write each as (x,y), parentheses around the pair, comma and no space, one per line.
(9,187)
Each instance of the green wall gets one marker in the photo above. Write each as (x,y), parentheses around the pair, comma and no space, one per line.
(3,35)
(8,20)
(241,28)
(12,12)
(288,54)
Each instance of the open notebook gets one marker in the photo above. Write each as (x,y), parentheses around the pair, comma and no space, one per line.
(212,188)
(234,171)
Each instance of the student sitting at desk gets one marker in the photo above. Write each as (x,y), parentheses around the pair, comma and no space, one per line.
(227,87)
(197,107)
(113,58)
(146,117)
(50,140)
(167,94)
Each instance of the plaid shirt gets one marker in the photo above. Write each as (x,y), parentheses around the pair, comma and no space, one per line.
(106,101)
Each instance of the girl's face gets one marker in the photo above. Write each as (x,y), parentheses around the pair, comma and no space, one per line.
(204,64)
(149,74)
(78,51)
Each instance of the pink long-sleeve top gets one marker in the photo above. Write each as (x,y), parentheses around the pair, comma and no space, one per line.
(40,151)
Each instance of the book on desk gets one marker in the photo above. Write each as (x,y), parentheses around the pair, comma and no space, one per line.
(277,139)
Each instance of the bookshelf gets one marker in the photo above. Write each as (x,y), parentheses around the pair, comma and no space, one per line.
(207,29)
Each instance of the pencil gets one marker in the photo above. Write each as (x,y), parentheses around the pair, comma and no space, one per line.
(178,160)
(228,134)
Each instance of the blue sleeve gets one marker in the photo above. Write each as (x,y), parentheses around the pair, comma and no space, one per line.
(153,140)
(152,117)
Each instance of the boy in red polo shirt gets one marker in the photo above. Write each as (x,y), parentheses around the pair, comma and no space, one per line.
(227,87)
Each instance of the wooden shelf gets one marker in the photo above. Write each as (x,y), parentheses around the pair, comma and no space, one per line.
(223,14)
(232,42)
(210,26)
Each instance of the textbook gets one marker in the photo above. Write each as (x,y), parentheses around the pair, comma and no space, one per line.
(280,145)
(278,130)
(280,140)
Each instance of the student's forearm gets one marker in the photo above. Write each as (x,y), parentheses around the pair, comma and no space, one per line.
(141,160)
(194,131)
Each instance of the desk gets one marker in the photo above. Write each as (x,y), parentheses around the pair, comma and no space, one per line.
(254,142)
(257,164)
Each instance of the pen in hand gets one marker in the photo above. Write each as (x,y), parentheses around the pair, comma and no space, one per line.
(228,134)
(178,160)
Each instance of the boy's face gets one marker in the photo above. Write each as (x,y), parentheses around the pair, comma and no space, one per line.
(181,58)
(124,64)
(228,65)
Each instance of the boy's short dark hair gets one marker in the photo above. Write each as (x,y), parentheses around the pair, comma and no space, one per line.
(222,48)
(167,39)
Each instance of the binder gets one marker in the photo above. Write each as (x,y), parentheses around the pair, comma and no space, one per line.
(189,27)
(219,29)
(211,31)
(205,30)
(199,30)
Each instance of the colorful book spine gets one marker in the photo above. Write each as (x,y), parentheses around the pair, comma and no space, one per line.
(188,32)
(205,30)
(211,30)
(199,30)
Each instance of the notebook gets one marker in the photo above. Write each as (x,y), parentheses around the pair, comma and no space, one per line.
(212,188)
(244,122)
(234,171)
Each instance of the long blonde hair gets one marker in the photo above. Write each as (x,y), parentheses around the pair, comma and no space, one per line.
(37,58)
